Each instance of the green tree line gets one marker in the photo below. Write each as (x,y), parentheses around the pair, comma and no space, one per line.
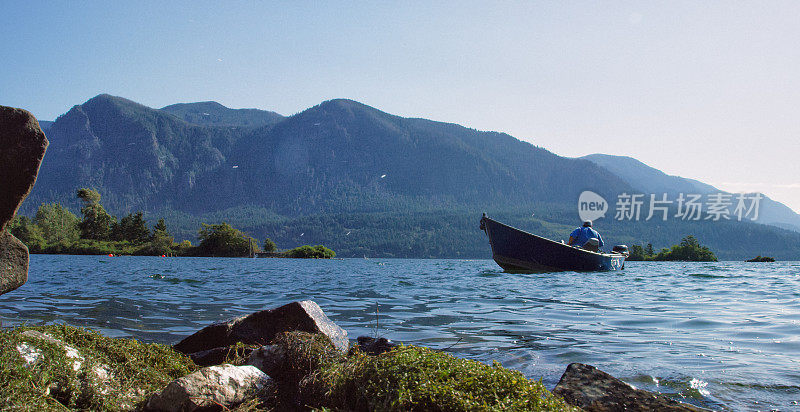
(56,230)
(454,233)
(688,250)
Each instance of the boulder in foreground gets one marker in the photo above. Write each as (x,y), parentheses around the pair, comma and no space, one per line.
(13,262)
(262,327)
(22,145)
(215,387)
(594,390)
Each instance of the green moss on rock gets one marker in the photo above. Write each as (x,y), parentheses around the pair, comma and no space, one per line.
(135,371)
(412,378)
(306,353)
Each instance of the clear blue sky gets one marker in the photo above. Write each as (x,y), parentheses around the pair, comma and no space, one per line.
(708,90)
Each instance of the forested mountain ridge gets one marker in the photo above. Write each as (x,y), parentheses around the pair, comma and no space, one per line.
(214,114)
(137,157)
(338,156)
(344,156)
(645,178)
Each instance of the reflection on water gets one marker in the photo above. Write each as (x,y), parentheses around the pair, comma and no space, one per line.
(723,335)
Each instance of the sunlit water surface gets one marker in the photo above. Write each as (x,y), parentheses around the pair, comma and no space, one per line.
(720,335)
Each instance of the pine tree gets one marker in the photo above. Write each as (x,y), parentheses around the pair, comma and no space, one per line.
(96,223)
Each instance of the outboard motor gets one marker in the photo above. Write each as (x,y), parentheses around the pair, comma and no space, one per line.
(621,249)
(593,245)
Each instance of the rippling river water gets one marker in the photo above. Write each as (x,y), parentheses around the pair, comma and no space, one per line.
(720,335)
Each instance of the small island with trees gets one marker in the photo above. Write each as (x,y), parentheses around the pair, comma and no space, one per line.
(56,230)
(760,258)
(688,250)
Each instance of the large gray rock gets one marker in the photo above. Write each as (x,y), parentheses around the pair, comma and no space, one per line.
(13,262)
(22,147)
(594,390)
(262,327)
(215,387)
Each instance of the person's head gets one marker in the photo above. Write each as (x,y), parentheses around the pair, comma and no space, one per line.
(587,223)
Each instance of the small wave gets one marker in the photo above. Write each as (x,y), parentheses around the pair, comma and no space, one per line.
(369,293)
(705,276)
(701,323)
(679,388)
(175,281)
(699,386)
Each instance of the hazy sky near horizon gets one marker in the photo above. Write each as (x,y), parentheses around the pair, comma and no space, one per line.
(706,90)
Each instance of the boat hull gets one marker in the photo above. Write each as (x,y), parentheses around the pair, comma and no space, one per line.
(519,251)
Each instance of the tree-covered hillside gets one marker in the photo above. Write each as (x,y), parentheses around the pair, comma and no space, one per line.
(215,114)
(339,156)
(343,156)
(135,156)
(345,175)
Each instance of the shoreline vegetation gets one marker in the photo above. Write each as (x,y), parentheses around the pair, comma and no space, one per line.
(56,230)
(689,250)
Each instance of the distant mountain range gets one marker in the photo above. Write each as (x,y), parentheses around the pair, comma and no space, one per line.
(339,156)
(646,179)
(345,165)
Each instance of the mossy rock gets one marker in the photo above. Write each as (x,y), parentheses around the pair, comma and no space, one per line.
(403,379)
(412,378)
(136,370)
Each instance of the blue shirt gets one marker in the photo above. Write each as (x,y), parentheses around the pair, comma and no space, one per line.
(583,234)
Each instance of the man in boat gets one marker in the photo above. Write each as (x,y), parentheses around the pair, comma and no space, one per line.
(586,237)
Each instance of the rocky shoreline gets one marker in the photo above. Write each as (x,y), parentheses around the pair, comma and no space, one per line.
(288,358)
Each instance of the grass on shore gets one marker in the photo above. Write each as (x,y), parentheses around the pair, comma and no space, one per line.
(52,384)
(408,378)
(421,379)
